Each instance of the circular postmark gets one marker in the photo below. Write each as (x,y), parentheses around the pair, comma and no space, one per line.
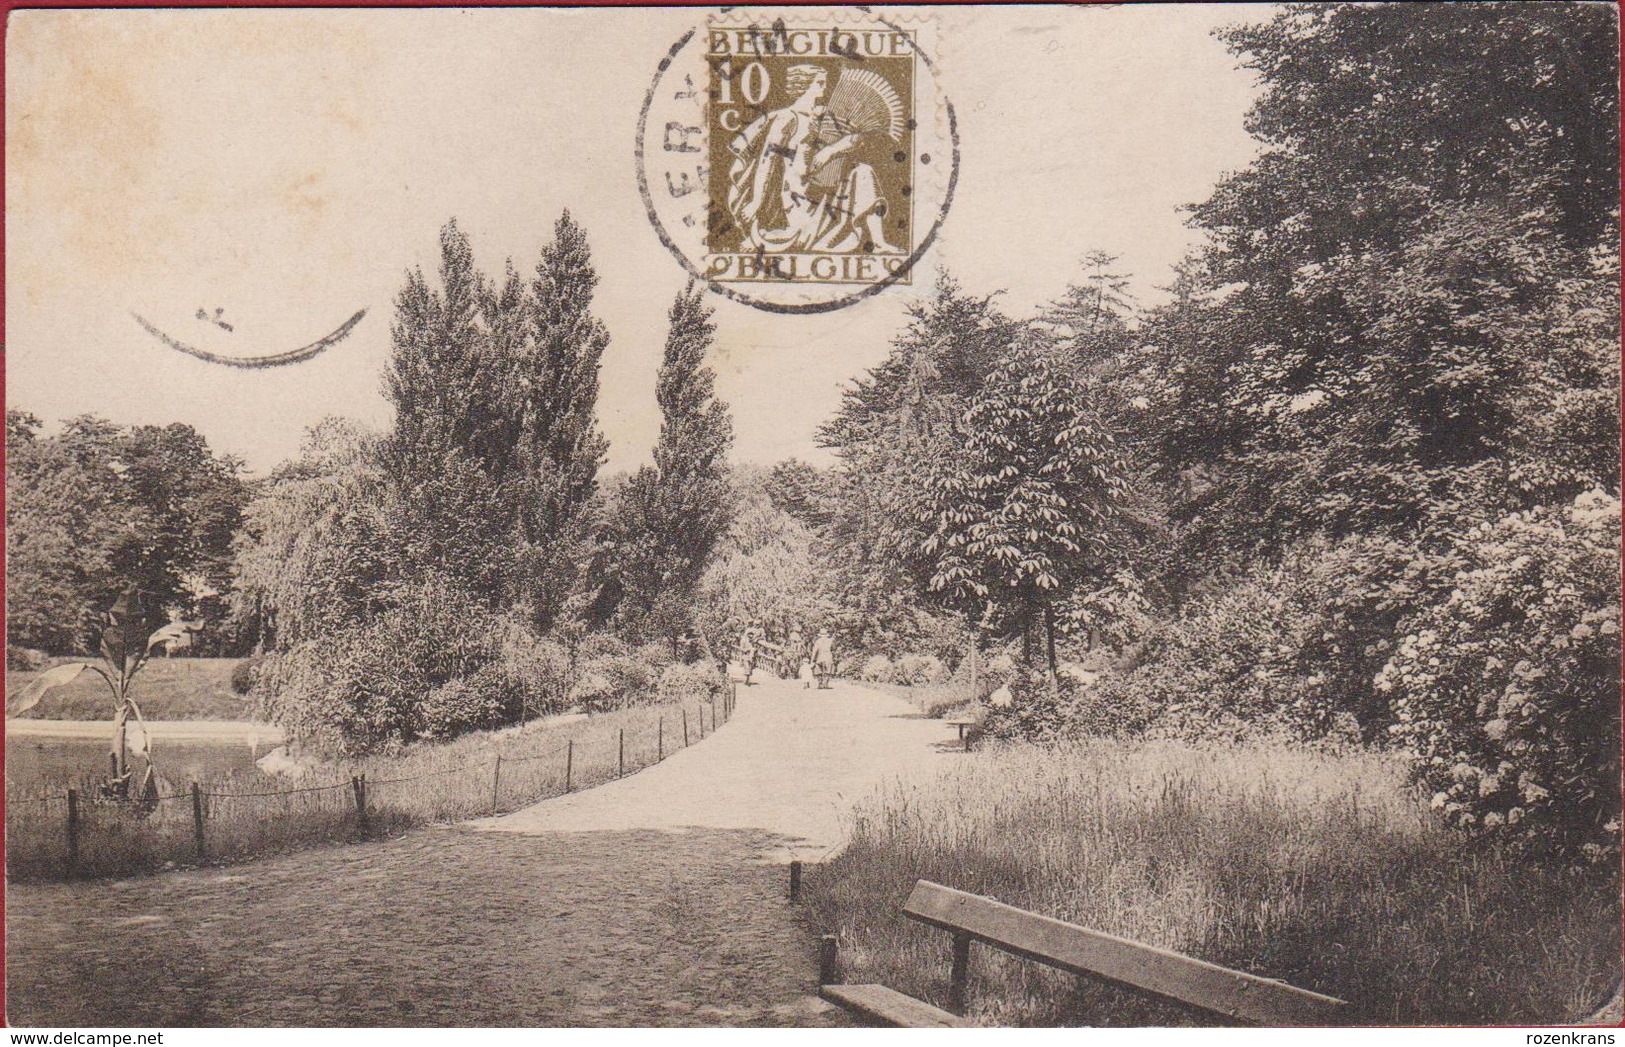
(798,160)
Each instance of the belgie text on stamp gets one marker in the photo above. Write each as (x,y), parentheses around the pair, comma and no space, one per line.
(798,161)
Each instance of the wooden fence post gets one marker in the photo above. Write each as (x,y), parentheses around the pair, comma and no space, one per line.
(569,761)
(960,974)
(496,781)
(197,819)
(620,771)
(73,827)
(701,717)
(660,740)
(358,785)
(795,879)
(685,727)
(826,959)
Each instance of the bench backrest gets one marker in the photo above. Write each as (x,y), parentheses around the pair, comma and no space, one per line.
(1144,968)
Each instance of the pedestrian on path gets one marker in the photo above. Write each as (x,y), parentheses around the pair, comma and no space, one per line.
(823,658)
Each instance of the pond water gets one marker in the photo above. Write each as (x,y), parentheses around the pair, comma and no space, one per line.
(36,765)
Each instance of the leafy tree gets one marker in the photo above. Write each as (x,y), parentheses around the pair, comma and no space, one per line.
(765,567)
(315,553)
(1091,319)
(1021,518)
(193,502)
(98,508)
(1381,278)
(803,490)
(560,446)
(70,530)
(669,516)
(896,424)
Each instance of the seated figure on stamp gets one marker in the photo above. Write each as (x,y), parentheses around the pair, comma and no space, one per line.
(794,184)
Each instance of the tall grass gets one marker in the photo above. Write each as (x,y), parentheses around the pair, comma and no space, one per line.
(934,700)
(249,815)
(1317,868)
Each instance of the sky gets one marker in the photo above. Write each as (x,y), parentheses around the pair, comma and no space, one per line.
(288,167)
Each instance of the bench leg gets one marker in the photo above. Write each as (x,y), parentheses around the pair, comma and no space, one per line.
(826,959)
(961,973)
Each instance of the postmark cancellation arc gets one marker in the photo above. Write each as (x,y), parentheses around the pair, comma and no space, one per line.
(799,160)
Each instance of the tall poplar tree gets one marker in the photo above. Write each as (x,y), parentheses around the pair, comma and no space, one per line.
(494,455)
(670,515)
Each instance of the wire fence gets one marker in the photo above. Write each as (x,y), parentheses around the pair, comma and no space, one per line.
(81,833)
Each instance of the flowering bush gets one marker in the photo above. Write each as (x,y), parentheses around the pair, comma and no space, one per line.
(1507,690)
(1067,708)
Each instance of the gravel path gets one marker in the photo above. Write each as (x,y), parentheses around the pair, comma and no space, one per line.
(655,900)
(791,761)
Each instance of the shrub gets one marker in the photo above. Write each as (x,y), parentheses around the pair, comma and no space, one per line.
(1507,690)
(245,672)
(1040,710)
(601,645)
(364,688)
(877,668)
(24,659)
(1288,651)
(534,672)
(657,656)
(613,681)
(462,705)
(699,682)
(594,692)
(914,670)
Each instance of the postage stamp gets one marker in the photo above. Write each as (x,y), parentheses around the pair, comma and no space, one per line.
(802,160)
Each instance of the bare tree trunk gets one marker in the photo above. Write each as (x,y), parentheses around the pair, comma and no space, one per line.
(1049,633)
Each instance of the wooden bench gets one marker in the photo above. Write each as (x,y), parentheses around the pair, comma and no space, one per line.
(1233,995)
(963,725)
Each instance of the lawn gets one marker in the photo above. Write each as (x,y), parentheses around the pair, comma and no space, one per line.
(166,689)
(1318,868)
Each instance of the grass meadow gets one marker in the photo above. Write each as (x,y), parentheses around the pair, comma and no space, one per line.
(251,813)
(1318,868)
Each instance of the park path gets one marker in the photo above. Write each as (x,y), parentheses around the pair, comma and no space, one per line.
(658,899)
(792,761)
